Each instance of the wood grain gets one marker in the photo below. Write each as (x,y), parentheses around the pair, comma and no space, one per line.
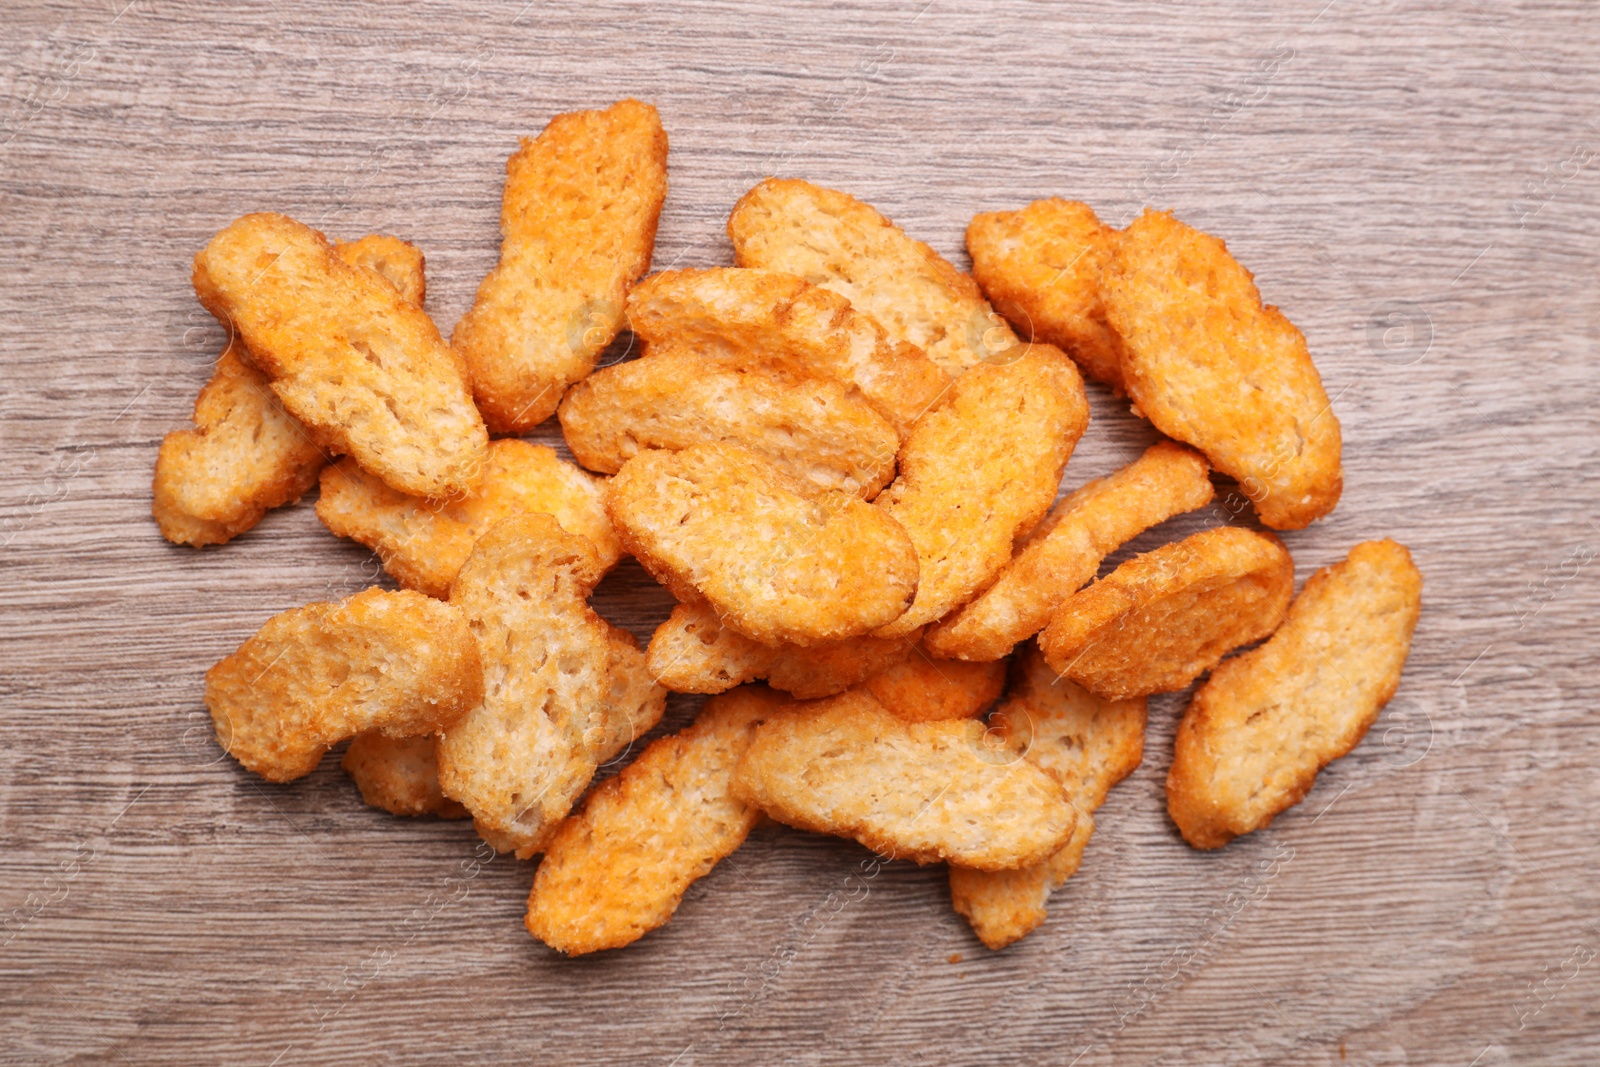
(1414,182)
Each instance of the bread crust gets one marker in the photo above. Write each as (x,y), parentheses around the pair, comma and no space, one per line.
(1163,618)
(814,428)
(963,499)
(920,688)
(618,867)
(924,791)
(1066,549)
(776,559)
(399,775)
(833,240)
(399,663)
(578,226)
(364,370)
(1040,267)
(783,323)
(400,263)
(423,543)
(1210,365)
(1267,721)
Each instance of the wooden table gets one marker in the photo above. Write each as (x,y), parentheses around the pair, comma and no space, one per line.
(1415,183)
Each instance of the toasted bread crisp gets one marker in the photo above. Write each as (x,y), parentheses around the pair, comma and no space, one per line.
(761,318)
(1088,745)
(776,558)
(618,867)
(247,455)
(980,471)
(633,702)
(398,663)
(1065,551)
(578,223)
(400,775)
(1212,366)
(361,367)
(673,398)
(693,652)
(834,240)
(1266,722)
(924,791)
(920,688)
(1162,619)
(520,758)
(1040,267)
(423,543)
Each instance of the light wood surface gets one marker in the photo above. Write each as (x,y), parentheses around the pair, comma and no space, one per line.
(1414,182)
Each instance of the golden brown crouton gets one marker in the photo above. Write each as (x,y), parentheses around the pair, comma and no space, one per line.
(1066,549)
(834,240)
(423,543)
(400,263)
(924,791)
(1088,745)
(362,368)
(920,688)
(674,397)
(633,702)
(761,318)
(578,223)
(399,663)
(520,758)
(618,867)
(776,558)
(1041,269)
(981,470)
(1267,721)
(1162,619)
(400,774)
(1210,365)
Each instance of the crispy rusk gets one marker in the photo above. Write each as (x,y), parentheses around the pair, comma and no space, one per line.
(1065,551)
(578,224)
(1267,721)
(920,688)
(399,663)
(521,757)
(980,471)
(400,774)
(633,702)
(674,397)
(1089,745)
(833,240)
(922,791)
(246,454)
(423,543)
(1040,267)
(769,319)
(693,652)
(1162,619)
(778,559)
(1210,365)
(618,867)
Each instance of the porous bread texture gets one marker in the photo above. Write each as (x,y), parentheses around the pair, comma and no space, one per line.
(423,543)
(981,470)
(674,397)
(920,688)
(833,240)
(1089,745)
(399,775)
(1040,267)
(519,759)
(1164,618)
(776,558)
(1267,721)
(924,791)
(246,454)
(783,323)
(693,652)
(633,702)
(578,225)
(1066,549)
(399,663)
(362,368)
(1209,364)
(618,867)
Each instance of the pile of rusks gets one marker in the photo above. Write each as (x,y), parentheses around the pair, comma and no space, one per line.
(841,457)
